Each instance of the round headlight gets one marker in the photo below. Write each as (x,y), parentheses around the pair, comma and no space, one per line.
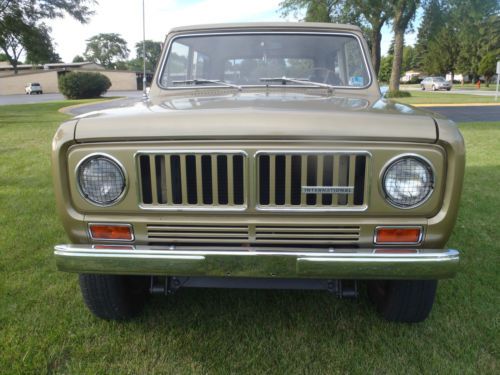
(101,180)
(408,182)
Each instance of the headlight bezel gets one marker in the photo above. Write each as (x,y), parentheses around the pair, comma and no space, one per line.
(423,160)
(113,161)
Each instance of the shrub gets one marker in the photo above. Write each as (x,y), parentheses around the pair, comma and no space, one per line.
(398,94)
(414,80)
(83,85)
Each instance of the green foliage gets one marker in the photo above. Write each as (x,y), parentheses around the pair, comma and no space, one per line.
(488,66)
(22,29)
(78,59)
(409,59)
(153,52)
(106,49)
(384,74)
(455,35)
(83,85)
(398,94)
(442,52)
(369,15)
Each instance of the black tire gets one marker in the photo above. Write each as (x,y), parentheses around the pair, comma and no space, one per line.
(448,89)
(423,88)
(408,301)
(434,88)
(114,297)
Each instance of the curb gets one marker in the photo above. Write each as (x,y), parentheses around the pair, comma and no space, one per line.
(67,110)
(457,105)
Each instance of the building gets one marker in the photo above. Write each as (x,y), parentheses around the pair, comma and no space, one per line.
(47,75)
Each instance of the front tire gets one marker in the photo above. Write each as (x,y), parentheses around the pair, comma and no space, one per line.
(408,301)
(114,297)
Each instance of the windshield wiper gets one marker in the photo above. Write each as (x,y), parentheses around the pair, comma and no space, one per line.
(284,80)
(201,81)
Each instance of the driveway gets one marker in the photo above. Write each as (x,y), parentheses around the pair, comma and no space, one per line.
(28,99)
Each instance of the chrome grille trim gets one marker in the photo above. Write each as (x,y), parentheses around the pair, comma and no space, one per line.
(192,180)
(348,169)
(262,234)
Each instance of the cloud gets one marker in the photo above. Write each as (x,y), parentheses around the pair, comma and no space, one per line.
(125,18)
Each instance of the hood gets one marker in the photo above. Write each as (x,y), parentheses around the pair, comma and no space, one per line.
(283,115)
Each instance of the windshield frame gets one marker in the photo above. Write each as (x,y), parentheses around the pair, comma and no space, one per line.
(204,34)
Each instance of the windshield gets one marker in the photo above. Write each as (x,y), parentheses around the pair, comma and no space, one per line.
(439,79)
(250,59)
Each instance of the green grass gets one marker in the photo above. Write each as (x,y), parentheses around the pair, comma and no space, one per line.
(458,86)
(45,328)
(429,97)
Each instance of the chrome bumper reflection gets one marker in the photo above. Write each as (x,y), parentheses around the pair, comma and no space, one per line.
(256,262)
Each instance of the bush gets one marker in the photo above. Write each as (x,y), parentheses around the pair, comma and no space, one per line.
(398,94)
(415,80)
(83,85)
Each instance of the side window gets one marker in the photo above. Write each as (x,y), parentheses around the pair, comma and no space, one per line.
(356,74)
(177,68)
(184,63)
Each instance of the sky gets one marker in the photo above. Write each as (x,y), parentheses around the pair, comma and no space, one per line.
(124,17)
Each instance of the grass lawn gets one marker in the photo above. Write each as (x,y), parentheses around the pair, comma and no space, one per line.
(457,86)
(45,328)
(429,97)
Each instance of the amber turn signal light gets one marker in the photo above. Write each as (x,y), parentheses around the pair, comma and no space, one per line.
(118,232)
(398,235)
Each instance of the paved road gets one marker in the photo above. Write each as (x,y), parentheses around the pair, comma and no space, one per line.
(469,114)
(28,99)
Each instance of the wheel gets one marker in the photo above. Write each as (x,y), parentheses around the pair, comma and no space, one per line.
(448,89)
(114,297)
(408,301)
(423,88)
(434,88)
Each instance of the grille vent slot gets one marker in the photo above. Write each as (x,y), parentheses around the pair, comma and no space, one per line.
(307,235)
(193,180)
(197,233)
(282,176)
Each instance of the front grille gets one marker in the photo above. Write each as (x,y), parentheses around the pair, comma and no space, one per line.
(258,234)
(193,180)
(324,180)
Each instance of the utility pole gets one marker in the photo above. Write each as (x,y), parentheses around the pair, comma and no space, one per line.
(144,94)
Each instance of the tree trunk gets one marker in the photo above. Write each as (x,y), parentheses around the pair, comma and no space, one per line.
(376,37)
(399,40)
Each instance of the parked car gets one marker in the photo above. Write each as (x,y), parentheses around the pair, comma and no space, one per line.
(435,84)
(33,88)
(266,158)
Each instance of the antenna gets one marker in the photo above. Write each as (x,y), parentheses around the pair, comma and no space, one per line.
(144,94)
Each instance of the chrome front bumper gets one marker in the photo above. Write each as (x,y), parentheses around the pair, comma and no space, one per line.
(256,262)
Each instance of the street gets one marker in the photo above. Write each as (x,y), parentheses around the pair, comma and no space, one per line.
(28,99)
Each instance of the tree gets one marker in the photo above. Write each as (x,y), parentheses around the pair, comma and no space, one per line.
(385,68)
(436,14)
(153,52)
(106,49)
(78,59)
(442,53)
(487,67)
(370,15)
(403,12)
(40,49)
(36,10)
(21,29)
